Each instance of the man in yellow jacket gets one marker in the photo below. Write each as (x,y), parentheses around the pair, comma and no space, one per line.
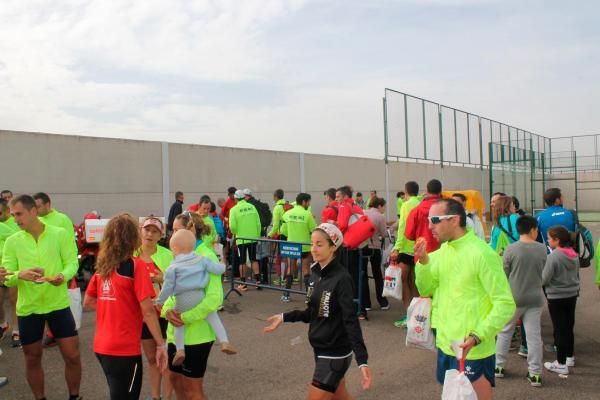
(41,259)
(473,300)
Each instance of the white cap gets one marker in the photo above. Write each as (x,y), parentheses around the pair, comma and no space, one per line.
(247,192)
(239,194)
(333,232)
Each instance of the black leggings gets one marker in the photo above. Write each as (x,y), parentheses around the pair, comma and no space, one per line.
(374,256)
(562,312)
(123,374)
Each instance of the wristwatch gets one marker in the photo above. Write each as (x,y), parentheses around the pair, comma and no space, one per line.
(476,338)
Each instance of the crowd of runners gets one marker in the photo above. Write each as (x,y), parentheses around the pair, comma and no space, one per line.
(158,285)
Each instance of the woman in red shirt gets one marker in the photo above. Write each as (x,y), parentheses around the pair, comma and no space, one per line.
(121,293)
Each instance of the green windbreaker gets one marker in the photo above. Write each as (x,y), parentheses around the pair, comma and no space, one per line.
(399,204)
(298,224)
(277,214)
(59,219)
(6,231)
(212,236)
(205,251)
(403,245)
(471,291)
(597,257)
(54,251)
(244,222)
(12,224)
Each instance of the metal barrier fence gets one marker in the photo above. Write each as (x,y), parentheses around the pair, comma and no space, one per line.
(419,129)
(284,250)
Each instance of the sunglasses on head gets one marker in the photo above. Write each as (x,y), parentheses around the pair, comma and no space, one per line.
(436,220)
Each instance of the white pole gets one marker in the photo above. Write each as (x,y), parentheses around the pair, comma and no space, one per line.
(165,178)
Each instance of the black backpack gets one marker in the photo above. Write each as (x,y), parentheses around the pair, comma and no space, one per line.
(583,243)
(264,212)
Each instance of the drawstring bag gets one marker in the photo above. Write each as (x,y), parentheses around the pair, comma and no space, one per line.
(418,324)
(392,282)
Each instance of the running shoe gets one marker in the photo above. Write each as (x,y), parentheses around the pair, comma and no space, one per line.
(15,340)
(385,308)
(534,379)
(368,308)
(401,323)
(3,381)
(523,351)
(285,298)
(554,366)
(3,330)
(570,362)
(499,372)
(296,280)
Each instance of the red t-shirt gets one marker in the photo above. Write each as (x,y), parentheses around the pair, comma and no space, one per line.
(194,207)
(118,313)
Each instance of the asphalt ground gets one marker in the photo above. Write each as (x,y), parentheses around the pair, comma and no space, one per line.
(280,365)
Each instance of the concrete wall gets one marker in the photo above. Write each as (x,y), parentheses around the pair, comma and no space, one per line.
(111,175)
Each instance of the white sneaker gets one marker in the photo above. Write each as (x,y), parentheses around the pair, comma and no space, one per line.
(556,367)
(570,362)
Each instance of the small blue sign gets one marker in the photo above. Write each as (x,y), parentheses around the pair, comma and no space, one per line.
(290,250)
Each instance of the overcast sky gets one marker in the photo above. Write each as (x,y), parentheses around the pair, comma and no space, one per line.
(292,75)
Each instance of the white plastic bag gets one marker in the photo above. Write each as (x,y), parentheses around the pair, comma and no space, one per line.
(76,307)
(418,324)
(457,386)
(392,282)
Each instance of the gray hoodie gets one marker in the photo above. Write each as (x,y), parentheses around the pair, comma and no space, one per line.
(561,274)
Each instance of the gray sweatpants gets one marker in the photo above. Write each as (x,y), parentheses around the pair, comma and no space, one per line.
(531,317)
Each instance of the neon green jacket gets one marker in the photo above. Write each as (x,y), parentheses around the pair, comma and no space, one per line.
(212,236)
(403,245)
(12,224)
(59,219)
(244,221)
(298,224)
(6,231)
(54,251)
(399,204)
(197,330)
(205,251)
(597,256)
(162,258)
(277,214)
(473,295)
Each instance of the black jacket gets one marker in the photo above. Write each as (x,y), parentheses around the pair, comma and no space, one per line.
(176,209)
(334,328)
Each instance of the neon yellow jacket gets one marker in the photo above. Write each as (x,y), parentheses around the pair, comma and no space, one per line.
(12,224)
(403,245)
(298,224)
(399,204)
(162,258)
(244,221)
(59,219)
(197,330)
(277,214)
(54,251)
(473,295)
(597,256)
(212,236)
(6,231)
(205,251)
